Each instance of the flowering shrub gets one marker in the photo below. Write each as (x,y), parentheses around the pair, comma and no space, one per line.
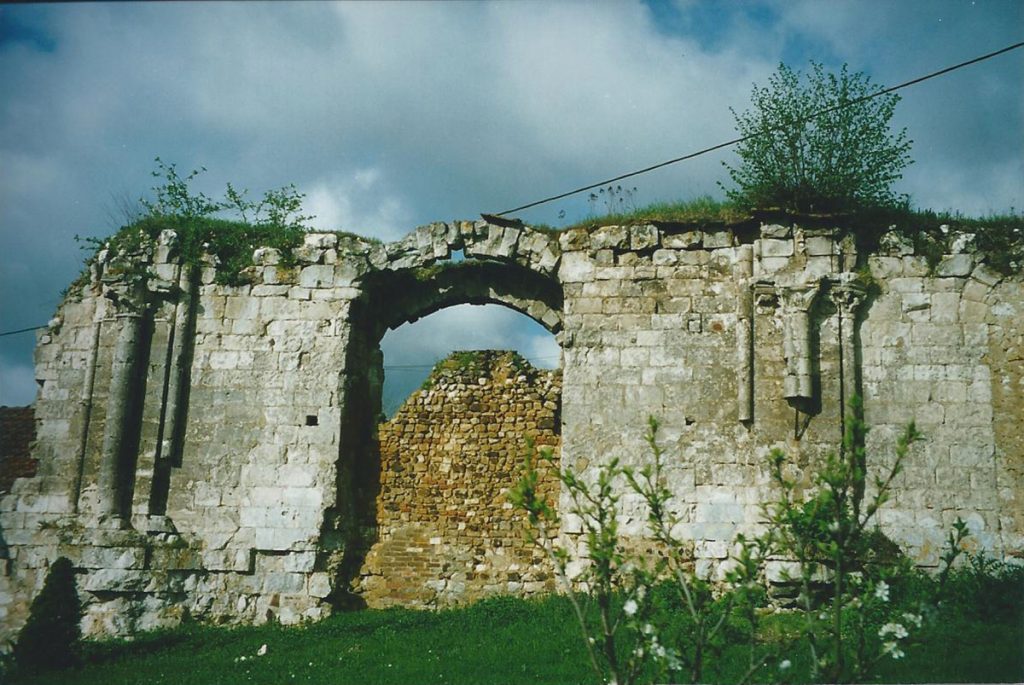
(655,618)
(830,533)
(659,619)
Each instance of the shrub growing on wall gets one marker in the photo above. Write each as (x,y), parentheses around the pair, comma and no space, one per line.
(51,634)
(818,144)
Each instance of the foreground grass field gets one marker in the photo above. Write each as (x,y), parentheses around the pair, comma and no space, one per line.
(497,641)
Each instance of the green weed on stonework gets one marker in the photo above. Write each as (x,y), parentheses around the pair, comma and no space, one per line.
(274,221)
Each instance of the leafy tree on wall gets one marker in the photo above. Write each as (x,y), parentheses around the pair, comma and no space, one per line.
(816,142)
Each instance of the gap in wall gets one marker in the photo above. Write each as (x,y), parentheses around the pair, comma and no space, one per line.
(411,350)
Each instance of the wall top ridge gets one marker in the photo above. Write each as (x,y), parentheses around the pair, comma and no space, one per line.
(158,261)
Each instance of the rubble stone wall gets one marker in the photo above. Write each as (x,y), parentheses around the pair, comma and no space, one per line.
(211,450)
(445,529)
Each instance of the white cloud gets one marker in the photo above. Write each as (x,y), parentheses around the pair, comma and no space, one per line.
(361,204)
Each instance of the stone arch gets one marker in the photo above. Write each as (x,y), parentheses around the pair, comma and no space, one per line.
(395,298)
(513,266)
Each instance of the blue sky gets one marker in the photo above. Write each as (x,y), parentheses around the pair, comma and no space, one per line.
(393,115)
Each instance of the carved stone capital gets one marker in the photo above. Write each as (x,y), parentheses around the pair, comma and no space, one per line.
(798,298)
(848,297)
(765,295)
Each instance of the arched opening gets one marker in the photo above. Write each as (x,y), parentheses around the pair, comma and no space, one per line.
(412,350)
(422,516)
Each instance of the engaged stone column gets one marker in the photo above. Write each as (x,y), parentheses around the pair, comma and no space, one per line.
(112,479)
(86,408)
(848,298)
(745,334)
(180,368)
(174,412)
(797,302)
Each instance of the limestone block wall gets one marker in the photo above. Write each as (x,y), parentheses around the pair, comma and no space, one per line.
(211,450)
(944,348)
(731,340)
(743,342)
(445,530)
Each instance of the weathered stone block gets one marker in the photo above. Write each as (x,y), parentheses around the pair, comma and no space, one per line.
(643,237)
(716,239)
(665,257)
(115,580)
(610,237)
(776,248)
(958,265)
(174,558)
(776,231)
(317,276)
(576,268)
(688,240)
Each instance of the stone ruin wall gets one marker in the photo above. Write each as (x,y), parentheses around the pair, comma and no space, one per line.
(445,530)
(209,450)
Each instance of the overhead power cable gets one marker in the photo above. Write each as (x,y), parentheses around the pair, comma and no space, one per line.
(742,139)
(22,330)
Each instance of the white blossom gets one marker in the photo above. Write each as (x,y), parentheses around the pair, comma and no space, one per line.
(261,651)
(785,664)
(882,591)
(912,618)
(897,630)
(630,607)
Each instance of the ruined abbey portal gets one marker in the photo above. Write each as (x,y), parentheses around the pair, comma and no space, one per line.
(217,451)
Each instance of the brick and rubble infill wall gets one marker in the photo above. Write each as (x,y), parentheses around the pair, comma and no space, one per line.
(446,530)
(17,433)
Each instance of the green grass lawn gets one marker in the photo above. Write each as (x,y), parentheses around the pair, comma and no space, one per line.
(497,641)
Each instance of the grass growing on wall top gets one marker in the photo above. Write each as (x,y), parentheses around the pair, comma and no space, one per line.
(700,210)
(999,237)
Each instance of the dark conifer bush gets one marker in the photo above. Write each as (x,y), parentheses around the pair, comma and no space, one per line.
(51,634)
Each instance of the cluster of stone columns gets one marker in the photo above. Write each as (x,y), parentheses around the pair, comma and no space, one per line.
(795,303)
(124,316)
